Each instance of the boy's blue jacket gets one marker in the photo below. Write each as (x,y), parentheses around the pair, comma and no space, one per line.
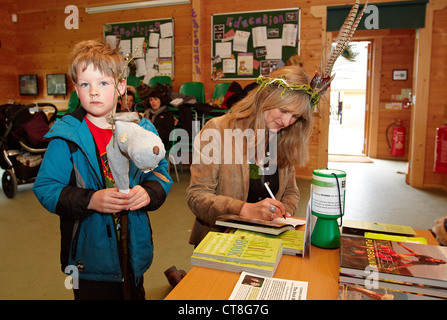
(69,175)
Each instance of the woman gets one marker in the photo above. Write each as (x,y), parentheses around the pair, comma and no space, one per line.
(228,177)
(160,116)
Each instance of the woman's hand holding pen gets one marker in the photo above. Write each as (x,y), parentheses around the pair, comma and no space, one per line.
(267,209)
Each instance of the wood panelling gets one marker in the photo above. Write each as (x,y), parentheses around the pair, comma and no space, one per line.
(437,104)
(8,62)
(397,54)
(40,43)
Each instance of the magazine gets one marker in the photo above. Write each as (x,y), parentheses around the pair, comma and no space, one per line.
(255,287)
(420,290)
(392,260)
(356,292)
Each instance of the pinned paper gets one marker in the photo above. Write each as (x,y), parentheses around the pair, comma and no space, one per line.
(153,39)
(274,49)
(259,36)
(165,48)
(223,49)
(289,34)
(137,47)
(166,30)
(125,47)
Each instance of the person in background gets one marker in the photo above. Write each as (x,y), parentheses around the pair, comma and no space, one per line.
(75,182)
(440,231)
(278,113)
(160,116)
(130,96)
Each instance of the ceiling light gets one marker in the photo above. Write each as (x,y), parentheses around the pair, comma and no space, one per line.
(135,5)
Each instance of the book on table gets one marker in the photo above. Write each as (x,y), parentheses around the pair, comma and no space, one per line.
(236,253)
(360,227)
(232,266)
(292,240)
(275,226)
(348,291)
(415,263)
(427,292)
(239,248)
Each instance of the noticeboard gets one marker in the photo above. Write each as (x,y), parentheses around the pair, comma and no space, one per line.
(151,42)
(248,44)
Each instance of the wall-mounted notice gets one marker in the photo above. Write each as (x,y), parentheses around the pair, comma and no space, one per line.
(150,42)
(248,44)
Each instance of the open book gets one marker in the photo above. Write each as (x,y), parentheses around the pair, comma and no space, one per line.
(275,226)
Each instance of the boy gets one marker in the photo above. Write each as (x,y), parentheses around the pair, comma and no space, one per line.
(75,183)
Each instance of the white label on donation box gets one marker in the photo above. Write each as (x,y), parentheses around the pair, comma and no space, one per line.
(327,197)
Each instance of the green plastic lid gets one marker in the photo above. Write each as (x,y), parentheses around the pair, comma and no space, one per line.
(329,173)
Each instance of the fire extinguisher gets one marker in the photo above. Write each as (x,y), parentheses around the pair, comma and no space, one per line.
(441,150)
(398,147)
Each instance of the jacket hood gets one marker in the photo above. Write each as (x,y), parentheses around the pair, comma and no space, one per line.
(72,127)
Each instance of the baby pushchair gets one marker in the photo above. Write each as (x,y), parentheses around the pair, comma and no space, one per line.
(22,143)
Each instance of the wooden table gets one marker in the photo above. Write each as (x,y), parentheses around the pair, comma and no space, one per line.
(320,270)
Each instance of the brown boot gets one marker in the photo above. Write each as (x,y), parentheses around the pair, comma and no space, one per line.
(174,276)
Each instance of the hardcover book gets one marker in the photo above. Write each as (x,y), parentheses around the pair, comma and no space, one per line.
(394,261)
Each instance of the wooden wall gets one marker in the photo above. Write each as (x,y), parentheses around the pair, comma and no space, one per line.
(397,54)
(44,44)
(437,105)
(9,83)
(40,43)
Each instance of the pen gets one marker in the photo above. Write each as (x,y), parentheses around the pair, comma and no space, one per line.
(271,194)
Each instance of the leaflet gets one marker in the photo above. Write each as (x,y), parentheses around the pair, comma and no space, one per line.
(254,287)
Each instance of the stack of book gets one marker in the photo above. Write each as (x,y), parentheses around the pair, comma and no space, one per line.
(384,269)
(237,253)
(294,242)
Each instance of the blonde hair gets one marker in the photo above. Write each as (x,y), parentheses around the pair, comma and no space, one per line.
(103,58)
(292,141)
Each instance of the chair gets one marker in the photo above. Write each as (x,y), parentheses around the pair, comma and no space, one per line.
(73,103)
(194,88)
(135,82)
(159,80)
(220,90)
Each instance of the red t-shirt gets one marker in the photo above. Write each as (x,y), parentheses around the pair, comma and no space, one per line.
(102,138)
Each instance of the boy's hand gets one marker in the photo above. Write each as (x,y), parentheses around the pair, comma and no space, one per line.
(138,198)
(109,200)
